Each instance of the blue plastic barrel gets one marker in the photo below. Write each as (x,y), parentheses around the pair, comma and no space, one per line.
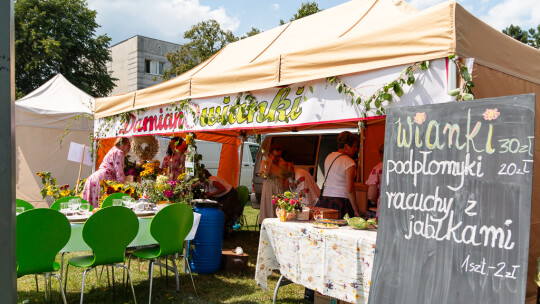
(208,242)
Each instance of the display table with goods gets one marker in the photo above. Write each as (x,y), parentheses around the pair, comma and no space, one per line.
(335,261)
(76,242)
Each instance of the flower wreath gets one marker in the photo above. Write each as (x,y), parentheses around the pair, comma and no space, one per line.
(145,147)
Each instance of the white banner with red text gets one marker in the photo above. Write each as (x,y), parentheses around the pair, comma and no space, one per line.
(297,105)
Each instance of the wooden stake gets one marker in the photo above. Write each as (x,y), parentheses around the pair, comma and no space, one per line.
(80,169)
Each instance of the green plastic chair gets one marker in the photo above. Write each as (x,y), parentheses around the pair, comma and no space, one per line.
(43,231)
(243,194)
(169,228)
(108,232)
(22,203)
(107,202)
(243,197)
(56,204)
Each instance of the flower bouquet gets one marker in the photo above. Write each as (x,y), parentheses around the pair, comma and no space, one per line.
(150,171)
(51,188)
(166,189)
(110,187)
(287,205)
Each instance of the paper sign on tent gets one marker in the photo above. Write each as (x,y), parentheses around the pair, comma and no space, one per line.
(76,153)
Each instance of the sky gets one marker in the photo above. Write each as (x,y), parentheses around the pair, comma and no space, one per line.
(168,19)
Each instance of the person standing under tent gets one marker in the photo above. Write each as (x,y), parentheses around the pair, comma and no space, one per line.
(175,159)
(338,190)
(111,169)
(275,172)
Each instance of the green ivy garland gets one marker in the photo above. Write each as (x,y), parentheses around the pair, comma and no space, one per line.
(464,92)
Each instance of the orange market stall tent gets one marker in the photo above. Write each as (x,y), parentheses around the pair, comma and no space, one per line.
(367,43)
(41,120)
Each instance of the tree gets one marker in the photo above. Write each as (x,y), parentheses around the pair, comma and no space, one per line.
(534,39)
(58,36)
(205,39)
(530,37)
(254,31)
(517,33)
(306,9)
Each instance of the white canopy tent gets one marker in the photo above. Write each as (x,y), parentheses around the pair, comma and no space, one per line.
(41,120)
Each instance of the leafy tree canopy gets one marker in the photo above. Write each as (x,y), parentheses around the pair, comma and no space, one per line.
(254,31)
(58,36)
(306,9)
(530,37)
(205,39)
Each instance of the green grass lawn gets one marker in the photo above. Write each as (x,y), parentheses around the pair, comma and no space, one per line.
(221,287)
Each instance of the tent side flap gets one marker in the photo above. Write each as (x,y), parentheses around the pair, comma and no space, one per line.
(214,80)
(114,104)
(173,90)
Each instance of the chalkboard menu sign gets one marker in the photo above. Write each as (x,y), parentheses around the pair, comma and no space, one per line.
(454,217)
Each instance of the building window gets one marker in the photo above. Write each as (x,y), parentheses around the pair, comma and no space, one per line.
(153,67)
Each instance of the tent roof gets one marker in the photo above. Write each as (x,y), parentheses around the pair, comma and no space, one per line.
(57,96)
(357,36)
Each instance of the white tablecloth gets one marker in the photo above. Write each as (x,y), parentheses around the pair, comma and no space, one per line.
(76,242)
(334,262)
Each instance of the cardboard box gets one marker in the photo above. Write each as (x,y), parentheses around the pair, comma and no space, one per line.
(322,299)
(303,215)
(323,213)
(230,261)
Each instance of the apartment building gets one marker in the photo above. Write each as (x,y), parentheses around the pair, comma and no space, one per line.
(138,62)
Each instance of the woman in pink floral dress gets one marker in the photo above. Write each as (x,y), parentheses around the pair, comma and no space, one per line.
(111,168)
(174,161)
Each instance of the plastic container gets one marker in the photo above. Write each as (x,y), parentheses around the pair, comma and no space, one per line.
(208,242)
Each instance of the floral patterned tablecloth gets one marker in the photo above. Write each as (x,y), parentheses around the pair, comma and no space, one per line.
(335,262)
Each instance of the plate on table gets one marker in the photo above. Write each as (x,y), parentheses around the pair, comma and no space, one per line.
(370,227)
(331,221)
(325,225)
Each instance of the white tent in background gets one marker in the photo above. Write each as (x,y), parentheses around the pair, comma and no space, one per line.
(41,118)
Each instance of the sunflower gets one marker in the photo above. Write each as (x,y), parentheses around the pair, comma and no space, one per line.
(118,187)
(149,166)
(110,189)
(189,139)
(129,191)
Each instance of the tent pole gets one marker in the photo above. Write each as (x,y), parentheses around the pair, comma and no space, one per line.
(80,169)
(360,172)
(452,76)
(242,139)
(8,259)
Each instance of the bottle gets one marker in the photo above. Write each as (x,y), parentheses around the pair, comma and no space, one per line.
(190,164)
